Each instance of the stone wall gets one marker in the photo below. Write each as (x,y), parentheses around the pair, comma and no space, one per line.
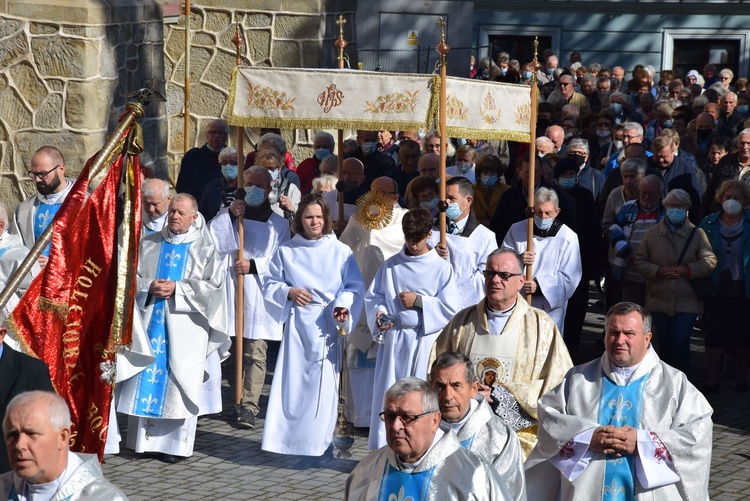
(65,67)
(278,33)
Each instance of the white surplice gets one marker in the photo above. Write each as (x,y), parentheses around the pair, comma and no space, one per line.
(304,394)
(407,345)
(557,267)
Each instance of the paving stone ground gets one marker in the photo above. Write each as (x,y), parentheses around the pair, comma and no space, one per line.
(229,464)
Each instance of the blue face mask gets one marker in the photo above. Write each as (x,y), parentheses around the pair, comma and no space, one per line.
(667,123)
(321,153)
(369,148)
(550,71)
(254,196)
(275,174)
(453,211)
(616,108)
(676,215)
(429,205)
(566,183)
(229,171)
(742,109)
(489,180)
(527,75)
(464,166)
(503,71)
(543,224)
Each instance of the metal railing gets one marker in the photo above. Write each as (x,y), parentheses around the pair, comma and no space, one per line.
(418,60)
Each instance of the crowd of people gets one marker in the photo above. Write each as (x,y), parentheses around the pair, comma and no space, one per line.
(640,190)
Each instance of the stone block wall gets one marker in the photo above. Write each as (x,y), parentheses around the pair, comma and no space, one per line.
(65,67)
(278,33)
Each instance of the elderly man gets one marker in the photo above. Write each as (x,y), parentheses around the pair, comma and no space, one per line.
(697,143)
(264,232)
(556,256)
(309,169)
(408,168)
(429,165)
(371,247)
(544,146)
(219,193)
(732,166)
(517,350)
(432,144)
(556,134)
(467,243)
(566,94)
(730,117)
(472,420)
(155,198)
(676,172)
(201,165)
(37,433)
(632,133)
(618,72)
(182,304)
(34,214)
(352,184)
(18,373)
(544,74)
(423,460)
(376,162)
(626,424)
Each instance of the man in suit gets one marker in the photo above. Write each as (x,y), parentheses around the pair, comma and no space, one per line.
(18,373)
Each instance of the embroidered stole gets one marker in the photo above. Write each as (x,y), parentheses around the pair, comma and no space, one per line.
(402,486)
(151,385)
(45,213)
(620,406)
(493,356)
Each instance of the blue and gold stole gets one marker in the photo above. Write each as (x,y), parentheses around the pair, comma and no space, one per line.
(44,215)
(400,485)
(620,406)
(151,386)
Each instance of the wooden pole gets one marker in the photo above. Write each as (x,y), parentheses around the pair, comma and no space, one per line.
(532,162)
(443,49)
(341,44)
(239,310)
(186,117)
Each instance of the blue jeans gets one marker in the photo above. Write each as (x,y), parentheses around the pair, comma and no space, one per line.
(674,337)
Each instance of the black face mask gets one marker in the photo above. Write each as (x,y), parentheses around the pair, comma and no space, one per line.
(543,123)
(703,134)
(580,159)
(346,186)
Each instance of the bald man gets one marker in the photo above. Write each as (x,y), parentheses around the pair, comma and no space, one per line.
(556,134)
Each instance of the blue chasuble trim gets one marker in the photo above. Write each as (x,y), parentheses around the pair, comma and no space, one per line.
(466,443)
(620,406)
(363,362)
(44,215)
(151,384)
(3,251)
(402,486)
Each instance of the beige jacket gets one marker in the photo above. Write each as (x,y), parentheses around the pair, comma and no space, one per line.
(662,247)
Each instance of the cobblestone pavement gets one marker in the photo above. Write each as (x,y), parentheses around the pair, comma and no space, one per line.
(229,464)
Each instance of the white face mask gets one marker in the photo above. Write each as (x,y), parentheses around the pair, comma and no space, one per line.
(732,207)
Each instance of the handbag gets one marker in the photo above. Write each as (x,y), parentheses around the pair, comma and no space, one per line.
(704,288)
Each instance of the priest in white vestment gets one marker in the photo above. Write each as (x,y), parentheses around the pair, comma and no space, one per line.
(182,303)
(423,459)
(516,349)
(34,214)
(416,289)
(470,417)
(155,198)
(468,242)
(626,426)
(371,247)
(555,259)
(264,231)
(312,286)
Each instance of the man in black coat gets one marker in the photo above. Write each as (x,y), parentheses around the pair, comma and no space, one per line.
(201,165)
(18,373)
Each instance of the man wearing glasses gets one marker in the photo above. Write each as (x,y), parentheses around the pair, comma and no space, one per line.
(423,460)
(520,342)
(34,214)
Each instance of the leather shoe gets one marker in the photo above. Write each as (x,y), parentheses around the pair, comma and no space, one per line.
(247,419)
(170,459)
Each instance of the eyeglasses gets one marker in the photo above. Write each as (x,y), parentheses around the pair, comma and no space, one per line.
(725,78)
(565,84)
(504,275)
(406,419)
(42,175)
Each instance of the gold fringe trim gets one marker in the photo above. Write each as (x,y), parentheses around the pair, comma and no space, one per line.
(58,308)
(508,135)
(324,123)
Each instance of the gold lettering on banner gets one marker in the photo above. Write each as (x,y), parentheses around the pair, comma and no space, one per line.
(330,98)
(71,337)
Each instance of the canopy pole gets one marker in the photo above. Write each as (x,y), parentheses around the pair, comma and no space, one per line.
(442,49)
(341,44)
(532,162)
(186,116)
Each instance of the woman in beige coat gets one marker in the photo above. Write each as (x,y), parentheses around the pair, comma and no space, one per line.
(670,298)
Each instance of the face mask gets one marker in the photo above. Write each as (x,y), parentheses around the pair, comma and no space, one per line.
(580,160)
(619,145)
(369,148)
(254,196)
(461,142)
(527,75)
(429,205)
(543,123)
(486,73)
(464,166)
(321,153)
(542,155)
(275,174)
(741,109)
(550,71)
(676,215)
(703,134)
(453,211)
(566,183)
(667,123)
(603,133)
(346,186)
(489,180)
(543,224)
(568,135)
(616,108)
(229,171)
(503,71)
(732,207)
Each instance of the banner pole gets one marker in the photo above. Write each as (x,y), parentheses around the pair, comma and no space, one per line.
(133,112)
(341,44)
(239,311)
(442,49)
(532,162)
(186,123)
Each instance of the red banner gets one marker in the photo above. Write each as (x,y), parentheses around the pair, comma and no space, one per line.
(76,312)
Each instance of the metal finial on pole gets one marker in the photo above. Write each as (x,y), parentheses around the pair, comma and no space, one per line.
(341,43)
(532,161)
(443,50)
